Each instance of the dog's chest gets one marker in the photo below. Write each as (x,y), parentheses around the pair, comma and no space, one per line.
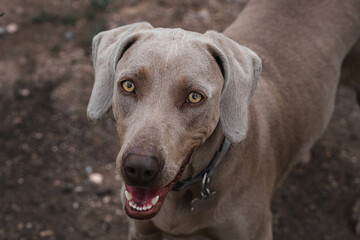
(177,222)
(177,218)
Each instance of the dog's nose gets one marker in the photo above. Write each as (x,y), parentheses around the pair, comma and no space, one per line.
(140,169)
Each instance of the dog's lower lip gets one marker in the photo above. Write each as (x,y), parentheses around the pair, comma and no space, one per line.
(134,206)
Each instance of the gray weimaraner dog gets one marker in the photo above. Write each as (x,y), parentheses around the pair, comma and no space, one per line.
(191,106)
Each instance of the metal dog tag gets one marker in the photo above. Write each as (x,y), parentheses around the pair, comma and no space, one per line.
(201,204)
(207,201)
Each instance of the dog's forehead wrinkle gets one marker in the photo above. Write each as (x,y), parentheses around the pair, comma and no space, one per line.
(168,41)
(174,63)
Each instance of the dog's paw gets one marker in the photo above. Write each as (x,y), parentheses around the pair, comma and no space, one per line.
(356,217)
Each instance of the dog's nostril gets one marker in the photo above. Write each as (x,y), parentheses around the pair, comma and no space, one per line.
(148,173)
(131,170)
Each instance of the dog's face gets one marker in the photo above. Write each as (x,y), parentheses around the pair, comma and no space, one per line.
(166,87)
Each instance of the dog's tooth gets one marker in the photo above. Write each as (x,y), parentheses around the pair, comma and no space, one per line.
(155,200)
(138,208)
(128,195)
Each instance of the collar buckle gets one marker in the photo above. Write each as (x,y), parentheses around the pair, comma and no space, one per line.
(205,191)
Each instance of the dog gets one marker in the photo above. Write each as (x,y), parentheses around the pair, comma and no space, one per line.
(210,124)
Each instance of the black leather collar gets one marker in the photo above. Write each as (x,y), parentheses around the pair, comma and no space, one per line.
(210,169)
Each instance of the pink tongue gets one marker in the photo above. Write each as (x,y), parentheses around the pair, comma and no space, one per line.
(142,194)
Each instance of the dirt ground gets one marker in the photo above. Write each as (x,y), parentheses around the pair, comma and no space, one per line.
(50,154)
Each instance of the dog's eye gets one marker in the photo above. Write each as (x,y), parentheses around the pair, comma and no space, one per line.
(128,86)
(194,97)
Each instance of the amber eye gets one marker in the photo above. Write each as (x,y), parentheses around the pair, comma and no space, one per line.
(128,86)
(194,97)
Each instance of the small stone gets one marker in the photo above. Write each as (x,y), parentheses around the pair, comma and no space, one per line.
(68,35)
(57,182)
(108,219)
(334,184)
(17,120)
(28,225)
(25,147)
(96,178)
(12,28)
(118,212)
(96,204)
(46,233)
(24,92)
(38,136)
(20,226)
(20,181)
(76,205)
(106,199)
(78,189)
(88,169)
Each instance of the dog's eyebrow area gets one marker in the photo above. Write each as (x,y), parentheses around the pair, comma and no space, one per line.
(141,73)
(194,84)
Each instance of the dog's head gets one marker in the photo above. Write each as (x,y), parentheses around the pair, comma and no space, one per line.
(168,88)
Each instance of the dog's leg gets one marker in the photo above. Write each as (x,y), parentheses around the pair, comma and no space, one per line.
(143,230)
(259,228)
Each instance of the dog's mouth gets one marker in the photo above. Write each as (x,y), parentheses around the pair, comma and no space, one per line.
(144,203)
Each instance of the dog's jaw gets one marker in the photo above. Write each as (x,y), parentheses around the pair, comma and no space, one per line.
(144,203)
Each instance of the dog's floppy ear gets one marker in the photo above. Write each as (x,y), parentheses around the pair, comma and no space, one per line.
(107,49)
(241,68)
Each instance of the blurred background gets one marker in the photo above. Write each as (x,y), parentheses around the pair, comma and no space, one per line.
(57,177)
